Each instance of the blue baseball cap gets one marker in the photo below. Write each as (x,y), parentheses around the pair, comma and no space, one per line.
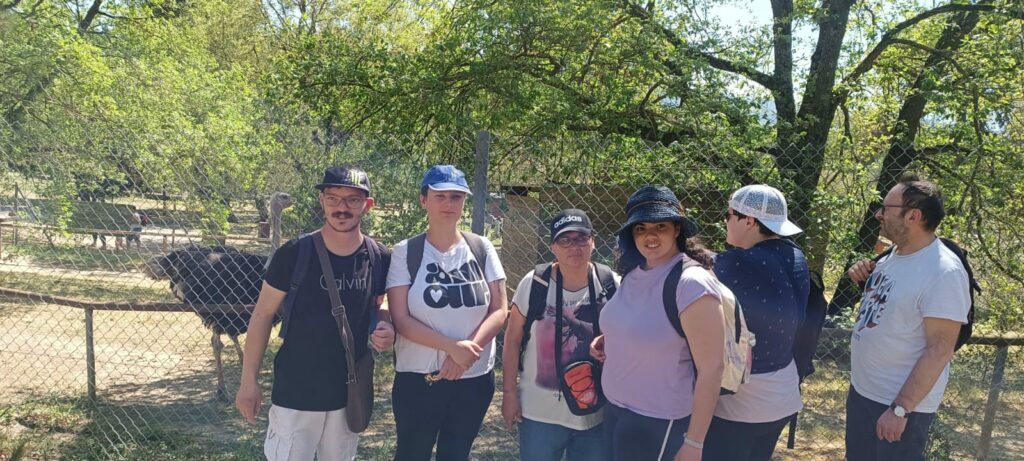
(445,177)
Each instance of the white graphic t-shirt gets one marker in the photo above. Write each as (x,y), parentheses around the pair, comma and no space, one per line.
(888,337)
(450,295)
(539,392)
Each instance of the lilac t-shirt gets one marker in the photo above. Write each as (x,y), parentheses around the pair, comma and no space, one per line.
(648,368)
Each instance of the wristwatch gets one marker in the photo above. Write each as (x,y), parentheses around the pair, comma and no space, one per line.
(898,410)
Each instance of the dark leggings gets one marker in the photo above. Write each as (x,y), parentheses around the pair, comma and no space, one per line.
(446,412)
(630,436)
(736,441)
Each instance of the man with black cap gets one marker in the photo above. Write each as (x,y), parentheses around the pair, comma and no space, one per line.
(309,395)
(561,326)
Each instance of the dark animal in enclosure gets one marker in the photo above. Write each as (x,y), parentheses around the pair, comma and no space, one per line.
(214,275)
(221,275)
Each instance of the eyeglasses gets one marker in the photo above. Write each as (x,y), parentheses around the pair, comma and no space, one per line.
(350,202)
(732,214)
(884,206)
(566,241)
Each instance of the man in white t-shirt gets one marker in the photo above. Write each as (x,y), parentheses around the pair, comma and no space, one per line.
(547,428)
(915,300)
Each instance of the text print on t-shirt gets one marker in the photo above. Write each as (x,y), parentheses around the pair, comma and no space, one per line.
(462,287)
(347,282)
(876,295)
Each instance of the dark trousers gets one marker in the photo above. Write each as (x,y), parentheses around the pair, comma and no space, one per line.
(736,441)
(446,412)
(634,437)
(862,442)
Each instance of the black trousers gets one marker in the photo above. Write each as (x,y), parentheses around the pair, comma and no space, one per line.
(736,441)
(862,443)
(631,436)
(448,413)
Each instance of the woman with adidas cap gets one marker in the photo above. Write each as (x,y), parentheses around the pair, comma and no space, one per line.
(549,323)
(446,292)
(768,275)
(661,388)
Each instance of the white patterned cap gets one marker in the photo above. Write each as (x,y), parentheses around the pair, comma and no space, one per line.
(765,204)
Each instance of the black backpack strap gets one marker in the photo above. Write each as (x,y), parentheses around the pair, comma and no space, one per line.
(606,282)
(668,293)
(668,297)
(479,250)
(967,329)
(414,255)
(538,299)
(305,245)
(374,273)
(791,440)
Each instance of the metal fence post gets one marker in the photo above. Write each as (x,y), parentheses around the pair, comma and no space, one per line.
(90,356)
(985,442)
(483,150)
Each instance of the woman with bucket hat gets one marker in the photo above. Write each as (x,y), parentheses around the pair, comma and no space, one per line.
(446,293)
(661,388)
(768,274)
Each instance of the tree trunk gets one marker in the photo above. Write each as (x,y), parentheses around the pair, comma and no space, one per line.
(901,153)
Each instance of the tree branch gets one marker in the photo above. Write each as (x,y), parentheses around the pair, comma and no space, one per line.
(889,38)
(716,62)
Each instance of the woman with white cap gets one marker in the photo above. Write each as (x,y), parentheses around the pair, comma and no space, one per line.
(661,388)
(768,275)
(446,292)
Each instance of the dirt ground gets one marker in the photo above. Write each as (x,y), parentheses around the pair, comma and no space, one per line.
(157,369)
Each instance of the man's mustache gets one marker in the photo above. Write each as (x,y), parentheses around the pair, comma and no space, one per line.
(342,215)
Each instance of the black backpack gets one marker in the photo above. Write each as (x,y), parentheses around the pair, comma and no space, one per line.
(414,255)
(972,286)
(808,335)
(539,295)
(377,271)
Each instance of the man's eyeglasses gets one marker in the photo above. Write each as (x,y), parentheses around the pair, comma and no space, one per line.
(567,241)
(884,206)
(350,202)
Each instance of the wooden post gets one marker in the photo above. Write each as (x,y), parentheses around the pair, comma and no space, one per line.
(985,441)
(483,148)
(90,356)
(1,238)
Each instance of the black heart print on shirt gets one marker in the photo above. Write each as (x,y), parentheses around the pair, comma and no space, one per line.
(463,287)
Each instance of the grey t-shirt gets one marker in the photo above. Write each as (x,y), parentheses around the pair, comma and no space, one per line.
(889,337)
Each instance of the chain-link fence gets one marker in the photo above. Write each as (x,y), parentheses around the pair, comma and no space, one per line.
(102,357)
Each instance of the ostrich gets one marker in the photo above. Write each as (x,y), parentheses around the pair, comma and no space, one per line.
(220,275)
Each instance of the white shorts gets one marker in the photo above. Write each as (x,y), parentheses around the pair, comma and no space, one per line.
(295,435)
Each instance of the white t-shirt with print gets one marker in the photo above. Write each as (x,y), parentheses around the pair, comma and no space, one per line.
(539,391)
(888,337)
(450,295)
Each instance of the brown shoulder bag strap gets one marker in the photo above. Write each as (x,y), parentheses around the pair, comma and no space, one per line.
(337,308)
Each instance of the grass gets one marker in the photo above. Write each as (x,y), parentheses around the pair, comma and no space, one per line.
(155,382)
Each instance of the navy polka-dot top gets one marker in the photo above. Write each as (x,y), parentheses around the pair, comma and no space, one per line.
(771,282)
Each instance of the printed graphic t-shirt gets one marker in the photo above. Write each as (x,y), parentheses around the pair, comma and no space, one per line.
(539,390)
(450,295)
(888,337)
(310,370)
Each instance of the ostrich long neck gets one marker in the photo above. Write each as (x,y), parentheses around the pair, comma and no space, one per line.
(275,225)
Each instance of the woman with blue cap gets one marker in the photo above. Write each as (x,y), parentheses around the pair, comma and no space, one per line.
(446,293)
(661,388)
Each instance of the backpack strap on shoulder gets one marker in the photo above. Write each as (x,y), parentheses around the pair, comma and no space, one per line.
(414,255)
(375,271)
(668,297)
(305,245)
(479,250)
(538,299)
